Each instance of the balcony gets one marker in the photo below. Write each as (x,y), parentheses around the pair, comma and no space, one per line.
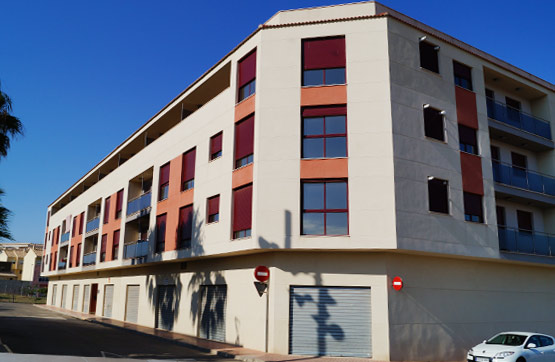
(136,250)
(65,238)
(526,242)
(62,265)
(93,224)
(138,204)
(514,117)
(89,259)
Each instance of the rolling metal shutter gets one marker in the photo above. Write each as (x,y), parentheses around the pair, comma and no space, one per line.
(108,300)
(75,297)
(86,298)
(132,303)
(330,321)
(54,289)
(165,316)
(64,296)
(212,312)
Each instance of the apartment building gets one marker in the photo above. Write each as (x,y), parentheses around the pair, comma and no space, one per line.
(25,260)
(341,147)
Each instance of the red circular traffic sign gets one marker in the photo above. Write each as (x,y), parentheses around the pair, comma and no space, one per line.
(397,283)
(262,273)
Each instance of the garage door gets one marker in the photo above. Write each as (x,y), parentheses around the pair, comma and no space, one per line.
(165,307)
(75,298)
(54,290)
(330,321)
(86,298)
(108,300)
(132,303)
(212,312)
(64,295)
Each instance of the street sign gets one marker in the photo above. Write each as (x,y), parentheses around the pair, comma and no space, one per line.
(261,287)
(262,273)
(397,283)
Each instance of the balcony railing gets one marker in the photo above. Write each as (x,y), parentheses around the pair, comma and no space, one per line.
(138,204)
(526,242)
(508,174)
(89,259)
(62,265)
(513,117)
(136,250)
(93,224)
(65,238)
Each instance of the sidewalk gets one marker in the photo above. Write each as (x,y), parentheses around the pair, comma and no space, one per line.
(217,348)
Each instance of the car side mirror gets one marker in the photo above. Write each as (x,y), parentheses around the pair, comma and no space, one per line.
(531,345)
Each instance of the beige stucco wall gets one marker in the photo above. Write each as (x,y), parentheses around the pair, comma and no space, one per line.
(29,266)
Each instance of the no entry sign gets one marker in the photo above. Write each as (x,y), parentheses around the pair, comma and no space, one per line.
(397,283)
(262,273)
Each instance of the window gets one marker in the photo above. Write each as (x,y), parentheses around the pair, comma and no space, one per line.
(247,76)
(244,142)
(185,227)
(119,203)
(473,207)
(467,140)
(324,132)
(81,223)
(325,208)
(438,195)
(188,170)
(501,219)
(213,208)
(106,210)
(160,233)
(103,246)
(490,103)
(525,221)
(495,155)
(324,61)
(78,256)
(216,146)
(164,182)
(433,124)
(115,245)
(70,261)
(429,56)
(463,75)
(519,169)
(242,212)
(74,227)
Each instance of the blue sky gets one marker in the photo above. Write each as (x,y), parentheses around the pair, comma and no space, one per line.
(75,69)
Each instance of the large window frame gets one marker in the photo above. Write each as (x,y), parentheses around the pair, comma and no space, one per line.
(242,212)
(213,209)
(434,123)
(468,140)
(161,221)
(185,227)
(473,207)
(164,188)
(216,142)
(324,61)
(246,79)
(324,210)
(311,137)
(429,56)
(188,169)
(244,142)
(463,75)
(438,195)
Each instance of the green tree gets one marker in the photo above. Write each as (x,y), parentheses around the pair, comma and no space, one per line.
(10,126)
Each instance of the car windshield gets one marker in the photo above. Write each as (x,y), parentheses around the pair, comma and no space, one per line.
(507,339)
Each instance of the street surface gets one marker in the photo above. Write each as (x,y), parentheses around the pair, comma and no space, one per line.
(26,329)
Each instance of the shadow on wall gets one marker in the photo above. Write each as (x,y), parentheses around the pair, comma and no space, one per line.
(325,328)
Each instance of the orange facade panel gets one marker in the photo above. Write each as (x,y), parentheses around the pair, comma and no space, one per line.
(244,108)
(325,95)
(242,176)
(466,107)
(471,169)
(325,168)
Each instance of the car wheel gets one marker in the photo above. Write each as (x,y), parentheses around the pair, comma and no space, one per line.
(521,359)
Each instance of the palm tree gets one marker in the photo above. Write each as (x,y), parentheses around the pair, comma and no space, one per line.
(4,213)
(10,126)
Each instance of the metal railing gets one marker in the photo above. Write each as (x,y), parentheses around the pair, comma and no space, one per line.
(89,259)
(93,224)
(508,174)
(516,118)
(65,237)
(136,250)
(138,204)
(526,242)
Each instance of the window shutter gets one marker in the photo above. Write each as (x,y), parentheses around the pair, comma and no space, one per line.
(106,210)
(104,243)
(188,171)
(81,222)
(119,201)
(165,174)
(247,69)
(242,208)
(216,143)
(467,135)
(324,111)
(324,53)
(74,226)
(461,70)
(161,228)
(244,138)
(186,222)
(116,238)
(214,205)
(473,204)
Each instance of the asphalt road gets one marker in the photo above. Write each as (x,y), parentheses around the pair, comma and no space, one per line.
(26,329)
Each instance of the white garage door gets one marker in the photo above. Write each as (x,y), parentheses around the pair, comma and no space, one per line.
(54,289)
(86,298)
(64,295)
(75,298)
(330,321)
(108,300)
(132,303)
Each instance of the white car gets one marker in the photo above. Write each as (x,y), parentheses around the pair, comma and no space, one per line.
(514,347)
